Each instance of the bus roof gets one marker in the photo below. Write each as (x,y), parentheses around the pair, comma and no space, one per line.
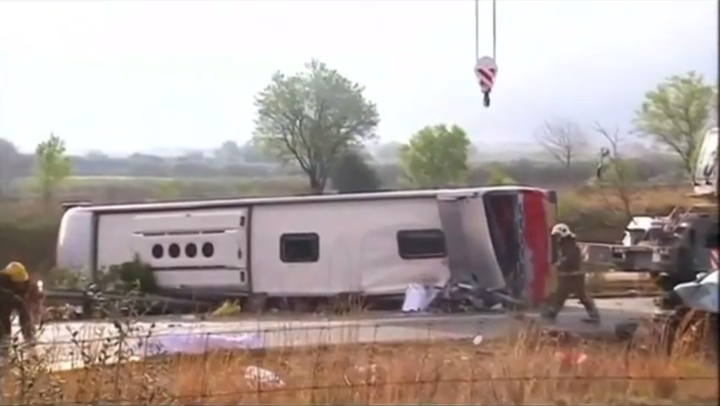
(289,200)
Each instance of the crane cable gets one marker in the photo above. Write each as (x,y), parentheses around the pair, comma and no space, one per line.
(494,32)
(477,30)
(494,39)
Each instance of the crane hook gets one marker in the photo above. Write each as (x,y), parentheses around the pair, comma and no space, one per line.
(486,71)
(486,67)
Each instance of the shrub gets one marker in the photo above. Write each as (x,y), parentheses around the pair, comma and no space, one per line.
(134,275)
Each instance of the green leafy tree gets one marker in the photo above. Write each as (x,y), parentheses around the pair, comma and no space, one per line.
(436,156)
(352,173)
(311,117)
(676,113)
(52,166)
(498,177)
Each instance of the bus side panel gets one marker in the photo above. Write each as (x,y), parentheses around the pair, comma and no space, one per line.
(537,243)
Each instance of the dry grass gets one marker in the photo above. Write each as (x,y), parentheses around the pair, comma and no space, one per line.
(522,369)
(648,199)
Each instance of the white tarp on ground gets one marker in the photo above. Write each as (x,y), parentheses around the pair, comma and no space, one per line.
(701,294)
(198,343)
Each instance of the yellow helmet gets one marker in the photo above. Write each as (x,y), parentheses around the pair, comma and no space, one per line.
(16,271)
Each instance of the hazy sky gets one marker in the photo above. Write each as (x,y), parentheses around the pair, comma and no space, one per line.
(126,75)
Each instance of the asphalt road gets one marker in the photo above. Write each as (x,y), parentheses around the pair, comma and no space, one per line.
(63,342)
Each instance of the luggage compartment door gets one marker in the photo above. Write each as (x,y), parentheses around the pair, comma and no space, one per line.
(471,257)
(194,249)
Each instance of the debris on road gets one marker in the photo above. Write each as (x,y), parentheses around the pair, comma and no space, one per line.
(260,378)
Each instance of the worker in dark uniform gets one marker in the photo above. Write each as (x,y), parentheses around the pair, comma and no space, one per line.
(17,293)
(570,280)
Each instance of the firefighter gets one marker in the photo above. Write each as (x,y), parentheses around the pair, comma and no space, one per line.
(15,286)
(570,280)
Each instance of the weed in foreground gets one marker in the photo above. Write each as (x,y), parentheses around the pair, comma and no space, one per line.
(530,367)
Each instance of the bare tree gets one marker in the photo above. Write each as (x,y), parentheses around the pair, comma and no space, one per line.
(562,140)
(615,173)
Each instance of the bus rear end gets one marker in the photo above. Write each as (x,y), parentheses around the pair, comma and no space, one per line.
(498,239)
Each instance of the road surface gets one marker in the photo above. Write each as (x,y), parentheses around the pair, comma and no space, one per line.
(62,342)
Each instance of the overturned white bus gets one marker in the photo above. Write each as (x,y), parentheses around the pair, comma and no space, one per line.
(367,244)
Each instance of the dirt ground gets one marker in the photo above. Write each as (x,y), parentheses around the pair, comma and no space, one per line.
(529,367)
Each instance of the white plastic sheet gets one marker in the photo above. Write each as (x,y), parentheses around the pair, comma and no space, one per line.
(701,294)
(418,297)
(198,343)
